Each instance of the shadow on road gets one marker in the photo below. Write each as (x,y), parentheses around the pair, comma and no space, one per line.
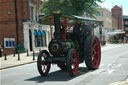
(58,76)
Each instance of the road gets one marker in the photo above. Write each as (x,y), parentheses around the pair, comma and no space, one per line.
(113,68)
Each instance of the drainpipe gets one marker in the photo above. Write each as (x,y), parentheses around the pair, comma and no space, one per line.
(16,14)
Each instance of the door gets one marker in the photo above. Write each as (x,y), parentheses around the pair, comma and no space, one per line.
(30,39)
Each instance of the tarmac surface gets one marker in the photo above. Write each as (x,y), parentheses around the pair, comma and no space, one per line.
(12,61)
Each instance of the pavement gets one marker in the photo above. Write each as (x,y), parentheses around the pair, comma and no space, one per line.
(12,61)
(120,83)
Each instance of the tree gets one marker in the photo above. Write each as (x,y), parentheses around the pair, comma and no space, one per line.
(70,7)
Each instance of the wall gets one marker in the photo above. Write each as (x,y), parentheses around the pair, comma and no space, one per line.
(31,26)
(117,14)
(114,23)
(106,17)
(8,20)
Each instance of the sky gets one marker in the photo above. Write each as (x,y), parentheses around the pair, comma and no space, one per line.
(110,3)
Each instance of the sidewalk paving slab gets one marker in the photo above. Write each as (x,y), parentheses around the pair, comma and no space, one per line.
(12,61)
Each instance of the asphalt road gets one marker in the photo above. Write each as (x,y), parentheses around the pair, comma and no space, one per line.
(113,68)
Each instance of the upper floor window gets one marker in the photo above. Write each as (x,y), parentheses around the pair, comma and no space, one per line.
(32,13)
(32,7)
(99,14)
(32,1)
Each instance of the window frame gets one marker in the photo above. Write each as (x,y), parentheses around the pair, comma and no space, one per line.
(9,42)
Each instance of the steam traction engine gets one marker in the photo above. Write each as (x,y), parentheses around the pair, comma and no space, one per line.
(73,43)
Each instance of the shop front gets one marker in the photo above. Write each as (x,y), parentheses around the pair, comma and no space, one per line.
(36,36)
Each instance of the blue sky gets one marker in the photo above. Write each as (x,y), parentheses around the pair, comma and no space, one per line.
(110,3)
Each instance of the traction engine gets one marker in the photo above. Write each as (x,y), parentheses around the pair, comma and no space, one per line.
(70,47)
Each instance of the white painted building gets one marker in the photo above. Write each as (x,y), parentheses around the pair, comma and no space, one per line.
(36,36)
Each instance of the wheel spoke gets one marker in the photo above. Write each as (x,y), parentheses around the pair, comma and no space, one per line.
(94,45)
(95,60)
(43,62)
(44,68)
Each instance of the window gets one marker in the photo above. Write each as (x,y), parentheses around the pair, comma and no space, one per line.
(9,42)
(39,39)
(32,7)
(32,13)
(43,38)
(99,14)
(32,1)
(36,38)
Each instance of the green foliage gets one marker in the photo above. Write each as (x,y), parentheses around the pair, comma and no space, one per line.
(70,7)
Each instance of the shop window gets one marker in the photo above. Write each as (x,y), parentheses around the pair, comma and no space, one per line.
(36,38)
(9,42)
(39,38)
(43,38)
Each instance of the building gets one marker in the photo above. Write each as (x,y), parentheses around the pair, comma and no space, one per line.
(114,23)
(118,15)
(125,20)
(18,25)
(105,16)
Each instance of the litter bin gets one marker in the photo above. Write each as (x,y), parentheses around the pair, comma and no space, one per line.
(20,48)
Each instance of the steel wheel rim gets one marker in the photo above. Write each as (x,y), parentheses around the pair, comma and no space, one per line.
(96,52)
(45,67)
(74,62)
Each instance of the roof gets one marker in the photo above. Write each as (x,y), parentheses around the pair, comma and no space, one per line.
(116,32)
(116,7)
(125,17)
(87,19)
(72,18)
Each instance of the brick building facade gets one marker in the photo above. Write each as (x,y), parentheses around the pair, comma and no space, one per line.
(125,20)
(117,13)
(14,14)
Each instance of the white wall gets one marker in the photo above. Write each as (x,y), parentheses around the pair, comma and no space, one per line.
(35,26)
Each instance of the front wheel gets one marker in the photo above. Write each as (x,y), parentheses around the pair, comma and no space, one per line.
(42,66)
(72,62)
(92,52)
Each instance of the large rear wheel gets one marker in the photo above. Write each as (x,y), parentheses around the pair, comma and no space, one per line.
(92,52)
(72,62)
(42,65)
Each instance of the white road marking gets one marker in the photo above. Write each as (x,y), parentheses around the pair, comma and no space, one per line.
(110,71)
(114,65)
(119,65)
(109,65)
